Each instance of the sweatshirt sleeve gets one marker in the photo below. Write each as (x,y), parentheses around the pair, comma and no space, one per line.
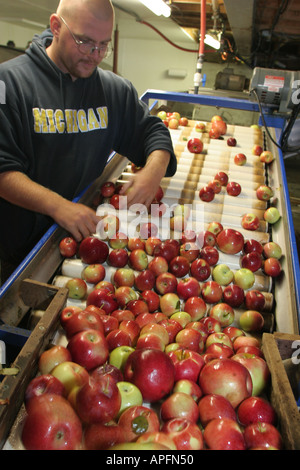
(139,133)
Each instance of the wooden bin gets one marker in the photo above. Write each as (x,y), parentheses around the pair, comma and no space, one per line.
(280,353)
(12,388)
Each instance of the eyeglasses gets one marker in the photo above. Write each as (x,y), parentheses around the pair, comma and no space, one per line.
(87,47)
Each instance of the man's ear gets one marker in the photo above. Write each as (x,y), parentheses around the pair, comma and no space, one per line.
(55,24)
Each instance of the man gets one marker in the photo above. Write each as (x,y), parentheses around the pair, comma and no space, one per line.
(63,116)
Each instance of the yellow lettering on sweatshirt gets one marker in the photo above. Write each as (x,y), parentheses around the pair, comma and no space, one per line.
(71,121)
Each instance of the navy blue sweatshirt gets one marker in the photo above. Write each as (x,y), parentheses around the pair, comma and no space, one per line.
(61,132)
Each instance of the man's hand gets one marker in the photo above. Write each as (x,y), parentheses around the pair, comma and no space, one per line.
(143,186)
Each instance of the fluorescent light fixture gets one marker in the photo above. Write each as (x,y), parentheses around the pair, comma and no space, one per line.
(212,41)
(158,7)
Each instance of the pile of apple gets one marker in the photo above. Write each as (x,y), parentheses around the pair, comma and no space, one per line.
(173,119)
(154,360)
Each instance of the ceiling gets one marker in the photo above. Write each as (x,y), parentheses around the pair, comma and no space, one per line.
(262,33)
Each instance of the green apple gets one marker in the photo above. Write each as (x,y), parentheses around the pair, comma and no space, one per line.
(162,115)
(244,278)
(119,355)
(130,395)
(272,250)
(222,274)
(182,209)
(272,215)
(77,288)
(182,317)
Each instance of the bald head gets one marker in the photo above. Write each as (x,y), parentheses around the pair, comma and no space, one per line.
(101,9)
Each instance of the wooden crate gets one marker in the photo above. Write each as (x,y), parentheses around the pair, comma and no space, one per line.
(281,355)
(12,388)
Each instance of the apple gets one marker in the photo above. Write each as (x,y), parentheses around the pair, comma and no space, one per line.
(191,339)
(240,159)
(233,188)
(107,189)
(227,378)
(165,283)
(224,434)
(264,192)
(152,299)
(244,278)
(51,424)
(215,227)
(135,243)
(256,409)
(77,288)
(52,357)
(272,250)
(167,249)
(257,150)
(149,229)
(116,338)
(182,317)
(150,244)
(272,215)
(266,156)
(258,369)
(231,142)
(222,177)
(144,318)
(118,257)
(252,261)
(219,125)
(172,327)
(272,267)
(157,437)
(233,295)
(215,185)
(183,121)
(156,329)
(214,133)
(216,118)
(262,435)
(130,395)
(162,115)
(152,371)
(251,320)
(252,245)
(119,356)
(200,269)
(185,434)
(179,405)
(189,250)
(254,300)
(70,374)
(222,312)
(210,254)
(89,348)
(233,332)
(45,383)
(93,273)
(188,287)
(214,406)
(241,341)
(106,285)
(250,222)
(124,294)
(211,324)
(158,265)
(68,247)
(211,292)
(190,387)
(230,241)
(169,303)
(67,313)
(195,307)
(195,145)
(219,350)
(92,250)
(179,266)
(200,127)
(98,400)
(102,298)
(107,369)
(206,238)
(138,259)
(137,306)
(83,321)
(218,337)
(222,274)
(137,420)
(118,202)
(206,194)
(124,277)
(145,280)
(99,436)
(109,323)
(173,123)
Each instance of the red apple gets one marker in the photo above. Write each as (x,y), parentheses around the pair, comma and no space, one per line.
(222,177)
(222,312)
(233,295)
(137,420)
(219,350)
(145,280)
(156,437)
(219,125)
(199,127)
(166,283)
(230,241)
(158,265)
(138,259)
(262,435)
(102,298)
(167,249)
(185,435)
(135,243)
(233,188)
(152,299)
(219,338)
(272,267)
(118,257)
(227,378)
(210,254)
(252,245)
(196,307)
(71,375)
(51,424)
(189,250)
(188,287)
(195,145)
(211,324)
(183,121)
(179,266)
(264,192)
(258,369)
(99,400)
(214,133)
(172,327)
(206,194)
(89,348)
(200,269)
(266,156)
(117,337)
(215,185)
(233,332)
(107,189)
(250,222)
(211,292)
(214,406)
(224,434)
(137,307)
(124,277)
(252,261)
(179,405)
(240,159)
(254,410)
(215,227)
(99,436)
(45,383)
(152,371)
(150,244)
(68,247)
(250,350)
(191,339)
(92,250)
(257,150)
(107,370)
(272,250)
(52,357)
(231,142)
(245,341)
(82,321)
(254,300)
(169,303)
